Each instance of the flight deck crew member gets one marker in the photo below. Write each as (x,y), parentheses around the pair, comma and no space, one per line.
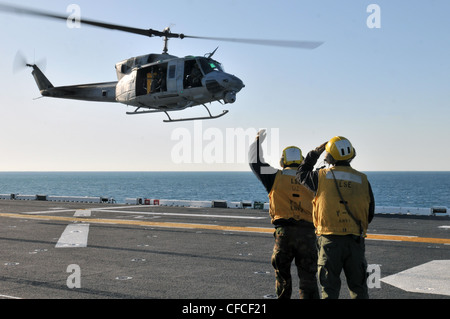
(291,214)
(343,207)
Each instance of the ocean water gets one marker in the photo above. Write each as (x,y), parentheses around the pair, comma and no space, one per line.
(400,189)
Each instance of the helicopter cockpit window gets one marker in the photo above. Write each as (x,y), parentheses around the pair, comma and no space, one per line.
(209,65)
(192,74)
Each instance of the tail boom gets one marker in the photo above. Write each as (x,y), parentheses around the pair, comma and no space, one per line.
(97,92)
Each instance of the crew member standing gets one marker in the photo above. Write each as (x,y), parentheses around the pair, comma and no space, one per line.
(291,214)
(343,207)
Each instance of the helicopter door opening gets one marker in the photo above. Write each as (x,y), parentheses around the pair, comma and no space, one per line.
(151,79)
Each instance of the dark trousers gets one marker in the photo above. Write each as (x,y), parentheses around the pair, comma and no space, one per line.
(337,253)
(295,242)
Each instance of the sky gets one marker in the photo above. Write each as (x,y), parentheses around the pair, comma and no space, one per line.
(380,78)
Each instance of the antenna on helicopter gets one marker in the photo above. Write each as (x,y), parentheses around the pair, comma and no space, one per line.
(212,53)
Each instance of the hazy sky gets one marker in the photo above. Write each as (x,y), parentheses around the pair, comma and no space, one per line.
(382,83)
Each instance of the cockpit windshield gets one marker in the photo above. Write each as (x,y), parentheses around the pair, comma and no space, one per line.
(209,65)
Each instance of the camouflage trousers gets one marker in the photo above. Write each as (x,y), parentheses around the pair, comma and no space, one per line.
(295,242)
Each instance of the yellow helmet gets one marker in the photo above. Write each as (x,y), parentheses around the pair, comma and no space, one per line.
(340,148)
(291,155)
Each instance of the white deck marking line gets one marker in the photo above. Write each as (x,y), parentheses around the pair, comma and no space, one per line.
(180,214)
(74,236)
(71,210)
(49,212)
(118,207)
(9,297)
(82,213)
(430,278)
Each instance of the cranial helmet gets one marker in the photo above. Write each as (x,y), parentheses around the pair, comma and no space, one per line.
(291,155)
(340,148)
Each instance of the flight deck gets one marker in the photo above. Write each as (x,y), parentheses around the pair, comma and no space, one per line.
(54,250)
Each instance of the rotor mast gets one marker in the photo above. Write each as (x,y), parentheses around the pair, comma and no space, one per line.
(168,34)
(166,40)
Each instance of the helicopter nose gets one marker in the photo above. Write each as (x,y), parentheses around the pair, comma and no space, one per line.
(222,82)
(233,83)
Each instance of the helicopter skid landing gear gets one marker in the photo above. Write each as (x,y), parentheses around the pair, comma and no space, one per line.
(182,119)
(143,112)
(196,118)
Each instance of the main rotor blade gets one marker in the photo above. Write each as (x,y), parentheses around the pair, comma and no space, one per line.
(32,12)
(165,33)
(278,43)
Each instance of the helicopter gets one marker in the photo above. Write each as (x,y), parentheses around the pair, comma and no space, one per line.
(155,83)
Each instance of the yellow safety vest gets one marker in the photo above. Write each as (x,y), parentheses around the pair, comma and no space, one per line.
(150,77)
(290,199)
(329,213)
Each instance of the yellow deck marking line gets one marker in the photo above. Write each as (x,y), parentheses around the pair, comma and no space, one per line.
(212,227)
(414,239)
(140,223)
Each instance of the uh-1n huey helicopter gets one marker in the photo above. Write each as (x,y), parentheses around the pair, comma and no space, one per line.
(156,82)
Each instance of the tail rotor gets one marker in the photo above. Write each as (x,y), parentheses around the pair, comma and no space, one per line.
(20,62)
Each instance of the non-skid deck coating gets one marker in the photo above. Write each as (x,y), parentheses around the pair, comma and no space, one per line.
(122,251)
